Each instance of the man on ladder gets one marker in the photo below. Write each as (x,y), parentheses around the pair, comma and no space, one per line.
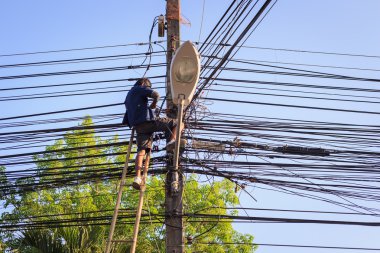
(140,116)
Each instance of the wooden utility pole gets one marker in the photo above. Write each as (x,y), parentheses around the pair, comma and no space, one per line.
(174,179)
(173,42)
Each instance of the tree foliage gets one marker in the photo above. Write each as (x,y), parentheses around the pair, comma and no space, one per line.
(73,183)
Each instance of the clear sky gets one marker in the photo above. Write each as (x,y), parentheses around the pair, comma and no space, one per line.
(345,26)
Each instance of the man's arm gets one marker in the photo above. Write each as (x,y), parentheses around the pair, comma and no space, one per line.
(155,97)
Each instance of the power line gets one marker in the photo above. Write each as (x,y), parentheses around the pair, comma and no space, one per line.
(313,52)
(289,245)
(292,50)
(291,106)
(82,71)
(80,49)
(76,83)
(78,60)
(61,111)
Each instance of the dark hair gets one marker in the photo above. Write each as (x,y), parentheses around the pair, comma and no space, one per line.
(143,81)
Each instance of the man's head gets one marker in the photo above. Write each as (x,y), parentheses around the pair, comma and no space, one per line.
(144,82)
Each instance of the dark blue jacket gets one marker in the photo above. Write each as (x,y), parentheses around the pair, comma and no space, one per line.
(136,104)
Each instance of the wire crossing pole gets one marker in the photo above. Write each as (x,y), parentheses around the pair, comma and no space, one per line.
(173,195)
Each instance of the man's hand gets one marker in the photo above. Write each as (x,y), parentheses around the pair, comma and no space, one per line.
(153,105)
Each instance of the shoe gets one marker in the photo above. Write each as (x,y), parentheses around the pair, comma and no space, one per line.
(171,144)
(137,183)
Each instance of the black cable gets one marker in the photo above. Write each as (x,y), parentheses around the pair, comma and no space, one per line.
(79,49)
(290,245)
(82,71)
(76,60)
(76,83)
(291,106)
(61,111)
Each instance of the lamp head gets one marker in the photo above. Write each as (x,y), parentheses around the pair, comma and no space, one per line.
(184,72)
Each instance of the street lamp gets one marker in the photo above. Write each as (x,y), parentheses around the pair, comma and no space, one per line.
(184,75)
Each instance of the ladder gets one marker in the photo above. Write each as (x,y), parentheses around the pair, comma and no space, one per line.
(110,240)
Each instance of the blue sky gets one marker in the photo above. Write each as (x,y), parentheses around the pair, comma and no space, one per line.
(346,26)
